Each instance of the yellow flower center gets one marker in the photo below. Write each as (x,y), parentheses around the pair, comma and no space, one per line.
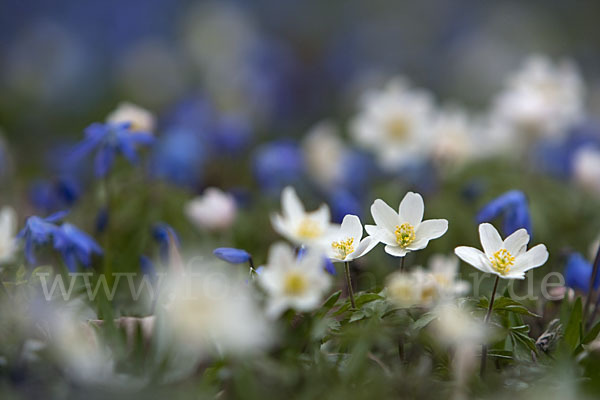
(398,128)
(502,260)
(309,229)
(405,234)
(344,247)
(294,284)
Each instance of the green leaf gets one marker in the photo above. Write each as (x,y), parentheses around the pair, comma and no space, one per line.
(592,334)
(422,322)
(510,305)
(504,354)
(573,330)
(367,298)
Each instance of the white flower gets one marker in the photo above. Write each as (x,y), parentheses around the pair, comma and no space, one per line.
(291,282)
(141,119)
(453,137)
(455,326)
(416,288)
(395,124)
(346,245)
(207,312)
(404,231)
(214,210)
(542,98)
(586,168)
(444,270)
(324,152)
(299,226)
(8,242)
(508,259)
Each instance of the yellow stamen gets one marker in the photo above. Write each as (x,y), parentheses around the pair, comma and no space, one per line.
(294,284)
(397,128)
(502,260)
(309,229)
(405,234)
(344,247)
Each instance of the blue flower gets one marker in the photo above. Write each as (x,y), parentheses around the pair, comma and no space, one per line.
(232,135)
(163,234)
(231,255)
(343,203)
(75,246)
(108,140)
(39,231)
(513,207)
(49,196)
(578,273)
(147,267)
(278,164)
(179,158)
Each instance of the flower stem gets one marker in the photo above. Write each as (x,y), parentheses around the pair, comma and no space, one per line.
(591,288)
(402,263)
(349,283)
(485,321)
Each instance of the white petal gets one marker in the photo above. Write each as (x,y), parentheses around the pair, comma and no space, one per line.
(384,216)
(474,257)
(431,229)
(280,225)
(395,251)
(412,208)
(513,275)
(490,239)
(322,215)
(535,257)
(382,235)
(291,205)
(351,227)
(281,256)
(365,246)
(516,242)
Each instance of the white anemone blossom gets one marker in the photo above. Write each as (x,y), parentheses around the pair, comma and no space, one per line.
(8,226)
(324,151)
(444,270)
(207,312)
(543,98)
(214,210)
(299,226)
(395,124)
(141,120)
(508,259)
(405,230)
(347,243)
(292,282)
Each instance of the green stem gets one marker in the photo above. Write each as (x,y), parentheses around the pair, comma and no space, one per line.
(486,321)
(402,263)
(591,288)
(349,284)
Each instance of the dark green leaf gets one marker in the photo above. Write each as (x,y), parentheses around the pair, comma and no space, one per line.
(573,330)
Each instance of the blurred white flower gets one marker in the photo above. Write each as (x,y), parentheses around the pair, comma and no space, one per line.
(586,168)
(395,123)
(292,282)
(543,98)
(214,210)
(8,242)
(299,226)
(141,120)
(324,154)
(444,270)
(508,259)
(346,245)
(413,289)
(404,231)
(207,312)
(453,140)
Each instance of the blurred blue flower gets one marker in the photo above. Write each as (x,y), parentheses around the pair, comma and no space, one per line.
(358,169)
(342,203)
(178,157)
(232,255)
(108,140)
(578,273)
(102,219)
(148,268)
(231,135)
(75,246)
(49,196)
(163,234)
(39,231)
(513,207)
(327,263)
(278,164)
